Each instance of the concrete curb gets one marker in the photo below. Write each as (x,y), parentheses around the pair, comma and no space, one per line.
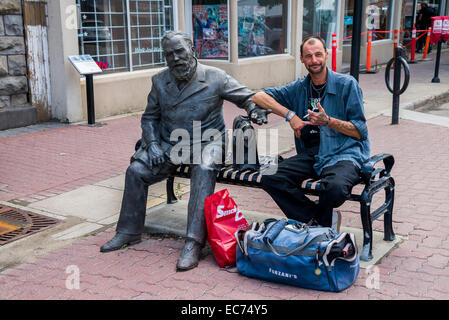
(428,100)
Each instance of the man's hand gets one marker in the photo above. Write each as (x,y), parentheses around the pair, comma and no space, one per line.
(297,124)
(259,115)
(155,154)
(319,118)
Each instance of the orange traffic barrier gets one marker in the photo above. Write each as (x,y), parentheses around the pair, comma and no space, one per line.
(427,44)
(368,52)
(334,52)
(396,40)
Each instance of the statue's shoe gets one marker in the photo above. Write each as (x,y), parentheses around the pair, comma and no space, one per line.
(120,240)
(190,256)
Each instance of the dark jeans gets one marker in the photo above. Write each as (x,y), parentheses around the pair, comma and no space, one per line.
(336,186)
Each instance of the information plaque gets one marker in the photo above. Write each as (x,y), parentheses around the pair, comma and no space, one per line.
(84,64)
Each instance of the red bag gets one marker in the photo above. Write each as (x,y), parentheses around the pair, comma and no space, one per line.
(223,219)
(437,29)
(445,32)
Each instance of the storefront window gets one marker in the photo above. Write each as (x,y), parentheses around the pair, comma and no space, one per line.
(262,27)
(434,4)
(104,30)
(320,19)
(210,29)
(379,19)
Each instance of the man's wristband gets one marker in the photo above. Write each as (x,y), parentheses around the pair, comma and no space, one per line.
(328,120)
(290,115)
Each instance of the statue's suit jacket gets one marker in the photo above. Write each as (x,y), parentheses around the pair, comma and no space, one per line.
(200,102)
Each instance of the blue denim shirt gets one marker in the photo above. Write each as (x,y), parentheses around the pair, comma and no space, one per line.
(343,100)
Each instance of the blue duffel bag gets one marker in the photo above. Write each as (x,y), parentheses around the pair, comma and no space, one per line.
(291,252)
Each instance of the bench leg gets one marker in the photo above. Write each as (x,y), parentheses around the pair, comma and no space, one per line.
(171,197)
(366,254)
(388,216)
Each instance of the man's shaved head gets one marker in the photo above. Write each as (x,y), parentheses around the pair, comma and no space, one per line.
(312,40)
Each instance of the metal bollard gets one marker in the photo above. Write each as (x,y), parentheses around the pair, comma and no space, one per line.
(398,60)
(436,79)
(90,99)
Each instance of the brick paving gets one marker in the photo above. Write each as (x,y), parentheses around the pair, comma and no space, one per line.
(46,163)
(417,269)
(41,163)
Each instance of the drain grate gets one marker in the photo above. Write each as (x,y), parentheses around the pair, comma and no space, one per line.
(16,223)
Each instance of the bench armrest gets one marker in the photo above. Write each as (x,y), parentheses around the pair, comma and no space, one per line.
(368,172)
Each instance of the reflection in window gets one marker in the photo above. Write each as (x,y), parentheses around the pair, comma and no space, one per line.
(104,26)
(320,19)
(210,29)
(408,14)
(348,21)
(262,27)
(379,19)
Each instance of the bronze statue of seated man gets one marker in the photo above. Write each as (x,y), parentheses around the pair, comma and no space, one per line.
(186,100)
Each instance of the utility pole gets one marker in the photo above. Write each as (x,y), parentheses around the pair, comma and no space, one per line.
(356,39)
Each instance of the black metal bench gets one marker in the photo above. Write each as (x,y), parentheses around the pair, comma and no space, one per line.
(373,179)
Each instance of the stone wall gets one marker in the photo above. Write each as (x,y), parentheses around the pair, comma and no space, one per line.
(13,80)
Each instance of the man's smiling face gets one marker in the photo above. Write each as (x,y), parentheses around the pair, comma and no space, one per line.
(314,56)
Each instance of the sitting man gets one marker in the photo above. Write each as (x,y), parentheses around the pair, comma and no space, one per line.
(325,111)
(185,100)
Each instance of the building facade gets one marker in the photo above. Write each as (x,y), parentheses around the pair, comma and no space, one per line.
(14,106)
(256,41)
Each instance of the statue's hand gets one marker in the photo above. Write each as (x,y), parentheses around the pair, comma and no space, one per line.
(259,115)
(155,154)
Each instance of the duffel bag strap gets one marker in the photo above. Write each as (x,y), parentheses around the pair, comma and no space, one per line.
(317,238)
(239,235)
(242,236)
(274,230)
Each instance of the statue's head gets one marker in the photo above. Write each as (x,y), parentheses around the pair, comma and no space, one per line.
(179,54)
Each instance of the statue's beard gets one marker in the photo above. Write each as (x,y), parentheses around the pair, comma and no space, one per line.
(184,70)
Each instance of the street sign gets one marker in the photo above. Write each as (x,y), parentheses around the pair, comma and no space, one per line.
(84,64)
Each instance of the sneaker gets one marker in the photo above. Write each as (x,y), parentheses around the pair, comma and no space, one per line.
(336,220)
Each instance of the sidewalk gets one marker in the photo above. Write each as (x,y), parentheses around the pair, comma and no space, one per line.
(75,173)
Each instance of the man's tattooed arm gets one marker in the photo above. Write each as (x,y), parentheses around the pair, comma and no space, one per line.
(344,127)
